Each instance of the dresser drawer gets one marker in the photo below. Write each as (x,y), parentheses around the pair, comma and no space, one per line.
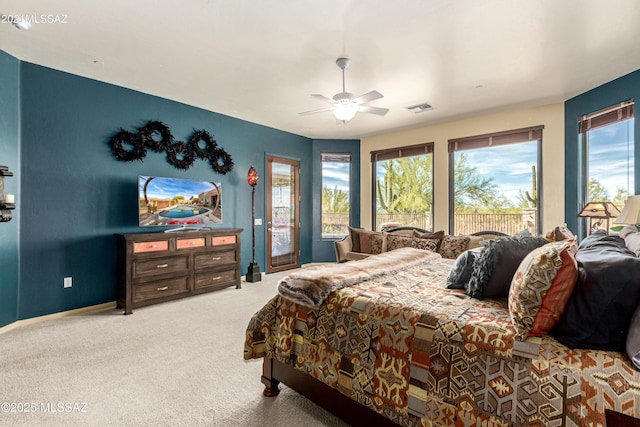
(213,259)
(141,247)
(190,243)
(150,267)
(204,280)
(224,240)
(160,288)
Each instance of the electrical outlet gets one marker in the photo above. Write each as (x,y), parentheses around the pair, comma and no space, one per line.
(258,221)
(68,282)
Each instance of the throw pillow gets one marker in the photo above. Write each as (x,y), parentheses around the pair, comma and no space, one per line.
(541,288)
(633,339)
(425,244)
(365,240)
(559,233)
(631,237)
(452,246)
(605,298)
(439,235)
(377,243)
(460,272)
(494,268)
(396,242)
(355,239)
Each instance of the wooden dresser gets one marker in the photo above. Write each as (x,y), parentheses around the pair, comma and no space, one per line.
(158,267)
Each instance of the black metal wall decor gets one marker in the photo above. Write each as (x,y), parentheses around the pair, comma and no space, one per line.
(156,136)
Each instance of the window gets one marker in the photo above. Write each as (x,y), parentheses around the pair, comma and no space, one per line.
(495,182)
(608,147)
(336,169)
(403,187)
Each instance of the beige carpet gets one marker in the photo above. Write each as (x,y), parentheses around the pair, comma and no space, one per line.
(173,364)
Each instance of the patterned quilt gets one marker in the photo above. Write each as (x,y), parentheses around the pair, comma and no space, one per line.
(420,354)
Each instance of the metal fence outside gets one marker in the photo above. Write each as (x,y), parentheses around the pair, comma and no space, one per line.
(336,223)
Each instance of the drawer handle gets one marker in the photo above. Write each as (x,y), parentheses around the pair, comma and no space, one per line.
(216,278)
(152,246)
(216,258)
(164,288)
(162,265)
(191,242)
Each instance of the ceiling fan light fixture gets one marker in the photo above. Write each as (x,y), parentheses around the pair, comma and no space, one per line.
(345,109)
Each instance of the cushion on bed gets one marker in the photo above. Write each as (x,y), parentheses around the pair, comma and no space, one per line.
(439,235)
(425,244)
(541,288)
(453,246)
(559,233)
(463,267)
(605,298)
(495,267)
(631,237)
(397,242)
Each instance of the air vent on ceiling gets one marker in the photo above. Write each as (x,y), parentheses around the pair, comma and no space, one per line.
(419,108)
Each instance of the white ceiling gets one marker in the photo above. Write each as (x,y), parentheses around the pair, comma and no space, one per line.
(259,60)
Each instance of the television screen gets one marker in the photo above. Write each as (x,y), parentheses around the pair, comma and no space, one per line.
(179,202)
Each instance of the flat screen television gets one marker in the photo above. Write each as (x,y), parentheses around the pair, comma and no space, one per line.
(178,202)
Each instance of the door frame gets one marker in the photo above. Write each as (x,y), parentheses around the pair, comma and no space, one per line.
(295,196)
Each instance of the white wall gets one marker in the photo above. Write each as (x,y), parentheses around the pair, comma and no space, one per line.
(550,116)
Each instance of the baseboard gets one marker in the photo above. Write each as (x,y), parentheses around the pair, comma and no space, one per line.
(76,311)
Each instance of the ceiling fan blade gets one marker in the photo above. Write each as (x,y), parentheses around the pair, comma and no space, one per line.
(306,113)
(322,98)
(372,110)
(369,96)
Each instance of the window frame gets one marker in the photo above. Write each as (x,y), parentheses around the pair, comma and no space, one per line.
(494,139)
(329,154)
(397,153)
(615,113)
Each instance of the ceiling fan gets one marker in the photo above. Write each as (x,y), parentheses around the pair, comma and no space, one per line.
(344,105)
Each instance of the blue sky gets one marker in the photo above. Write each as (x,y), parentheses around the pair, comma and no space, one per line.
(336,174)
(510,165)
(608,160)
(167,188)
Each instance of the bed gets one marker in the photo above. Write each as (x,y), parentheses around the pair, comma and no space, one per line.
(391,344)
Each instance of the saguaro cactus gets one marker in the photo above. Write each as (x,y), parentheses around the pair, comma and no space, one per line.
(533,196)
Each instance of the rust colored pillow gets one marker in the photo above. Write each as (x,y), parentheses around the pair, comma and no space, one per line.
(541,288)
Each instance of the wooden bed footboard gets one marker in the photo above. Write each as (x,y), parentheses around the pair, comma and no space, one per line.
(275,372)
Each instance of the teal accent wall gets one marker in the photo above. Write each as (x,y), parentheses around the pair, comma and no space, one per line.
(76,195)
(10,156)
(621,89)
(323,250)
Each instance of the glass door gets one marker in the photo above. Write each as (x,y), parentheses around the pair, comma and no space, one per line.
(283,205)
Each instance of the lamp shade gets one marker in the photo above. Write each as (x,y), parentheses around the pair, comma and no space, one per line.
(599,210)
(631,212)
(252,176)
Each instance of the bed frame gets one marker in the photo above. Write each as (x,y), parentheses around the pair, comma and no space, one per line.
(345,408)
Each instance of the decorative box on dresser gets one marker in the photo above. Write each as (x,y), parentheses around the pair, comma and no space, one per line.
(158,267)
